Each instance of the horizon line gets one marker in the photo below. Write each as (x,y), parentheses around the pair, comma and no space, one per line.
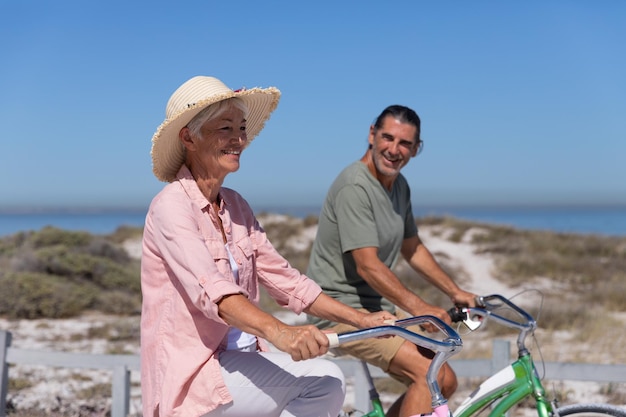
(259,208)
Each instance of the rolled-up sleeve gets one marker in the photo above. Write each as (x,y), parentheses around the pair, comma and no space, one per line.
(285,284)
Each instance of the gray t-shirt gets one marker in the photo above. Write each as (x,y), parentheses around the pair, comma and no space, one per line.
(359,212)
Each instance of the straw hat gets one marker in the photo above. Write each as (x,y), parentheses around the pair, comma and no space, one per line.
(190,99)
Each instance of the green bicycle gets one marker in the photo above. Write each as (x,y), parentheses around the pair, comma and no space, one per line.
(518,381)
(445,348)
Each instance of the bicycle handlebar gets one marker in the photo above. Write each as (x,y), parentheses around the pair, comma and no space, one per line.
(474,317)
(450,343)
(444,349)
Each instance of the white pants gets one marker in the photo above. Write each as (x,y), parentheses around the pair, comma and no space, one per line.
(270,384)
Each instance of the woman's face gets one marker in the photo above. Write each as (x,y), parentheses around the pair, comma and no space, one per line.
(222,140)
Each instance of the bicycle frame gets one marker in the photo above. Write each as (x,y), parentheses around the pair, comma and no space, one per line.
(513,383)
(501,391)
(377,406)
(507,388)
(441,410)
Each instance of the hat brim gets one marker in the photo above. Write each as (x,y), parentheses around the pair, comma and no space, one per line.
(168,152)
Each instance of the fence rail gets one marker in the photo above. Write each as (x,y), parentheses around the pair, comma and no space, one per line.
(122,365)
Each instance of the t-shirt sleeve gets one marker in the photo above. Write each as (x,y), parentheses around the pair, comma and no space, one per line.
(355,219)
(410,226)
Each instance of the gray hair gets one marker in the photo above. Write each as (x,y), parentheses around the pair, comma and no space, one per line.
(213,111)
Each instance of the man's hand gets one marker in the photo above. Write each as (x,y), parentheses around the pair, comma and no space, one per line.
(431,310)
(464,299)
(376,319)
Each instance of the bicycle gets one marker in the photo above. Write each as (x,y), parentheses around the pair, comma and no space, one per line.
(445,348)
(518,381)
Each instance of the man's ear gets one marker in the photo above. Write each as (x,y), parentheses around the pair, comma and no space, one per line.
(370,137)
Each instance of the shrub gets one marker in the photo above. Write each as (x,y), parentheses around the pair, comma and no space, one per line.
(574,263)
(124,233)
(96,390)
(101,247)
(49,236)
(113,276)
(310,221)
(33,295)
(59,273)
(118,302)
(9,244)
(106,273)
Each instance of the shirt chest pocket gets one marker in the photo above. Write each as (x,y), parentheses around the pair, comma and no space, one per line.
(245,258)
(220,256)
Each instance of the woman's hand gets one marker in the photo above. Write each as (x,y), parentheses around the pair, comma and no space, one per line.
(301,342)
(307,341)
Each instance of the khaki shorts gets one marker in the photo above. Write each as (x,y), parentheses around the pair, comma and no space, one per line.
(377,351)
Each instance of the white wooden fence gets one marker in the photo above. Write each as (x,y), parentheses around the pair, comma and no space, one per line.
(122,365)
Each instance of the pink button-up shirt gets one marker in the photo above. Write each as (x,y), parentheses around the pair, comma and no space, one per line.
(185,271)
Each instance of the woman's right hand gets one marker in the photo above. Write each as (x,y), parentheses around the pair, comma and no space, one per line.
(301,342)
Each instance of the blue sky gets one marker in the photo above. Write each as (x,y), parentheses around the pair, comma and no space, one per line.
(521,102)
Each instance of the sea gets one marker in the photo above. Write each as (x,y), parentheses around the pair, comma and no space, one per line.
(608,221)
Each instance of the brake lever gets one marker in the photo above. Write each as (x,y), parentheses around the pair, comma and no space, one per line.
(461,315)
(472,323)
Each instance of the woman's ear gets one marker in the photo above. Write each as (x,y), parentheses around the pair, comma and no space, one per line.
(185,138)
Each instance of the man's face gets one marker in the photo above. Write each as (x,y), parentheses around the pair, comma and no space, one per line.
(392,146)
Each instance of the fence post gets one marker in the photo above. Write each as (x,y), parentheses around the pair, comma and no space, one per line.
(120,404)
(5,342)
(361,391)
(501,356)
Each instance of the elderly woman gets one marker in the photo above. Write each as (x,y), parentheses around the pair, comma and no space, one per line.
(203,336)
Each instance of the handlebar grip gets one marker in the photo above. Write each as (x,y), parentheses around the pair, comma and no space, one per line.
(389,322)
(457,315)
(333,339)
(480,301)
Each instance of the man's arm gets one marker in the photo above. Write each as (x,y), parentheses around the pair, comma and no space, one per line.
(328,308)
(421,260)
(387,284)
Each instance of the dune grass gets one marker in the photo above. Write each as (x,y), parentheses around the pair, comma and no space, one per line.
(55,273)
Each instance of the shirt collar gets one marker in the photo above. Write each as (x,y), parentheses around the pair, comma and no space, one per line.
(189,184)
